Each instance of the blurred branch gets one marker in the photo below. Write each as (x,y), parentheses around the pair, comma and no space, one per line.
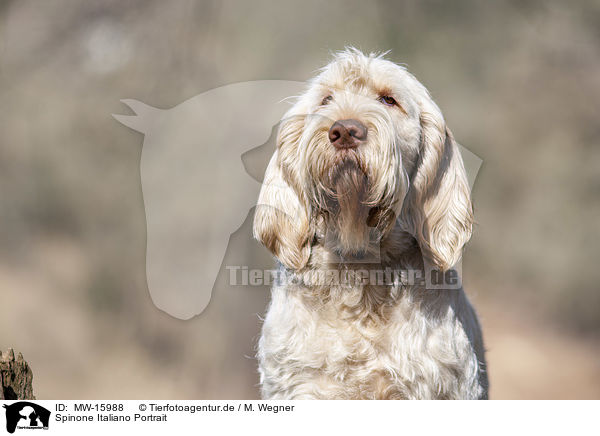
(15,377)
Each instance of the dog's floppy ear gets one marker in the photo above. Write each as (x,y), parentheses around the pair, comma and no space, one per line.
(281,222)
(437,209)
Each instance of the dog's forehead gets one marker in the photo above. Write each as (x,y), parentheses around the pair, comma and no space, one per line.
(360,73)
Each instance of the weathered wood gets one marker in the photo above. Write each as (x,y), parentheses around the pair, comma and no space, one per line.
(15,377)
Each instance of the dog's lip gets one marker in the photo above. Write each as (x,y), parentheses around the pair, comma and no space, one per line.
(346,155)
(346,151)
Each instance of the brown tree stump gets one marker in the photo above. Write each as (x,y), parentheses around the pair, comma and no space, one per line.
(15,377)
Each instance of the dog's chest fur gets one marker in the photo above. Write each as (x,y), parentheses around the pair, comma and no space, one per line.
(370,343)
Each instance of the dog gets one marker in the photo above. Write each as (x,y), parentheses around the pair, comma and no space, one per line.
(366,177)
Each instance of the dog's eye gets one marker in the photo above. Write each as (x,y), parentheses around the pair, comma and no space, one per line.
(326,100)
(387,100)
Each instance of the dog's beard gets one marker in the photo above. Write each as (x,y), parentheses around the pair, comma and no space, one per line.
(344,206)
(353,199)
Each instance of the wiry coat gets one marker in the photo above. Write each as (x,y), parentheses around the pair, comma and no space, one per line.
(400,201)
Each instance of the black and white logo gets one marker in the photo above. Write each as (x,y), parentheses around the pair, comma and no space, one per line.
(26,415)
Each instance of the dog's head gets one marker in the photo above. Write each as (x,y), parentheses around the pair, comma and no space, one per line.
(364,149)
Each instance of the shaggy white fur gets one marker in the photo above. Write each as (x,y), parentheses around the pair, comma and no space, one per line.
(396,199)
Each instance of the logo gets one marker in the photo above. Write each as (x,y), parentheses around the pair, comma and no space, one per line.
(26,415)
(201,172)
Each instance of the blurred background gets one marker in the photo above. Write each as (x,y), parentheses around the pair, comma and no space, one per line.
(518,82)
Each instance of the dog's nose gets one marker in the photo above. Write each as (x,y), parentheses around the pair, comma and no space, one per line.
(347,134)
